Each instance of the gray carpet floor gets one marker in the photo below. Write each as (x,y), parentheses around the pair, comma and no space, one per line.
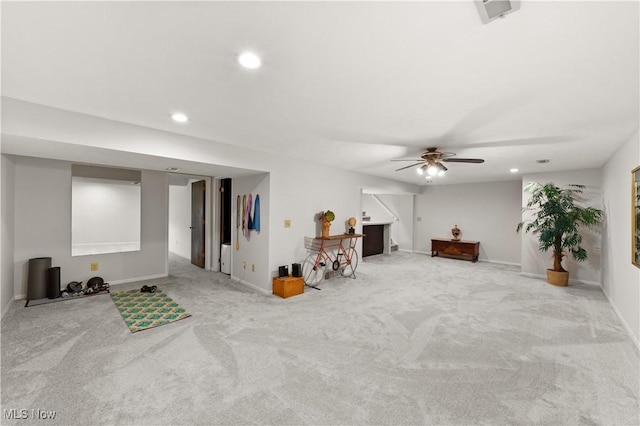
(412,340)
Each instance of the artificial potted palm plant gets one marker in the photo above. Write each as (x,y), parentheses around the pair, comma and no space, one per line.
(557,221)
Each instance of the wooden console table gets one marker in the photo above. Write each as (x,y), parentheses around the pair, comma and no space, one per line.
(466,249)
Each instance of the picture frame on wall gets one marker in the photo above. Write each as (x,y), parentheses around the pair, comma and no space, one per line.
(635,216)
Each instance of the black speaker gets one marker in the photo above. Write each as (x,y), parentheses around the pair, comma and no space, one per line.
(37,278)
(283,271)
(296,269)
(53,283)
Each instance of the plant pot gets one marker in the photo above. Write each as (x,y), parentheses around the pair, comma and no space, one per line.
(557,278)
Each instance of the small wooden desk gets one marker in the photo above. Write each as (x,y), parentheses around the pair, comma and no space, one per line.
(462,249)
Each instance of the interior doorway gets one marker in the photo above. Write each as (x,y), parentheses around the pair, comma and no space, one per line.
(225,226)
(191,215)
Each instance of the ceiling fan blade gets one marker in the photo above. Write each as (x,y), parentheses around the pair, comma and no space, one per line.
(411,159)
(413,165)
(463,160)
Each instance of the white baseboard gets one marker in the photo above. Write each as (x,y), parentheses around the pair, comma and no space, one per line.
(622,320)
(131,280)
(251,286)
(479,260)
(20,297)
(500,262)
(571,280)
(6,308)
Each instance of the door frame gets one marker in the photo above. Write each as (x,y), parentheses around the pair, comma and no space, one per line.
(212,218)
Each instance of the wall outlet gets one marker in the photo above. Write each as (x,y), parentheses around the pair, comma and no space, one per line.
(287,223)
(244,265)
(419,219)
(94,266)
(253,267)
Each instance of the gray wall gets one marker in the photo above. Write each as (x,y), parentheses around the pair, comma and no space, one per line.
(43,204)
(534,261)
(485,212)
(250,264)
(180,219)
(620,278)
(7,172)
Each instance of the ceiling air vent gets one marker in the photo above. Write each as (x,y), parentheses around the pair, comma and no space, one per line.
(494,9)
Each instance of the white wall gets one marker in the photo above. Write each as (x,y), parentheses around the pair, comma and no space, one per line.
(43,204)
(7,180)
(620,278)
(180,219)
(485,212)
(300,191)
(401,205)
(104,214)
(534,261)
(250,264)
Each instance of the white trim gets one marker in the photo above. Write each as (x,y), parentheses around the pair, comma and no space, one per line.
(22,296)
(479,260)
(406,250)
(6,308)
(500,262)
(634,339)
(130,280)
(571,280)
(252,286)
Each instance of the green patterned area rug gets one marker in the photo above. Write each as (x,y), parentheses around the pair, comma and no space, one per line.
(141,311)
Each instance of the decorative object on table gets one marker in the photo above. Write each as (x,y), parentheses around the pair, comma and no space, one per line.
(352,223)
(327,217)
(635,216)
(557,221)
(144,310)
(455,231)
(283,271)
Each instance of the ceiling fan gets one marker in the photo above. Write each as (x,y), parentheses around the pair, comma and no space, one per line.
(432,159)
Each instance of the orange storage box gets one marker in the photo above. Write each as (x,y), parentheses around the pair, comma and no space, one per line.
(288,286)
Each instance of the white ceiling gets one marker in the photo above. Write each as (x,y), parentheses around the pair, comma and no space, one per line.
(348,84)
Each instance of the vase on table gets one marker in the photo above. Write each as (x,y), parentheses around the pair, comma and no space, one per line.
(455,231)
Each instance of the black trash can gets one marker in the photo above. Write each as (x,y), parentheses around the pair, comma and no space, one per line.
(53,282)
(37,278)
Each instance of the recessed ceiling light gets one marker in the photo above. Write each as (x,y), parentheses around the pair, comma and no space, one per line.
(249,60)
(179,117)
(514,170)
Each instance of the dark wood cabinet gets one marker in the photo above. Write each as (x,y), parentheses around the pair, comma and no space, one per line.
(373,240)
(460,249)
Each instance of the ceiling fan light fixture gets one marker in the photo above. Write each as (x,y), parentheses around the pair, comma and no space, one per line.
(249,60)
(432,170)
(179,117)
(420,170)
